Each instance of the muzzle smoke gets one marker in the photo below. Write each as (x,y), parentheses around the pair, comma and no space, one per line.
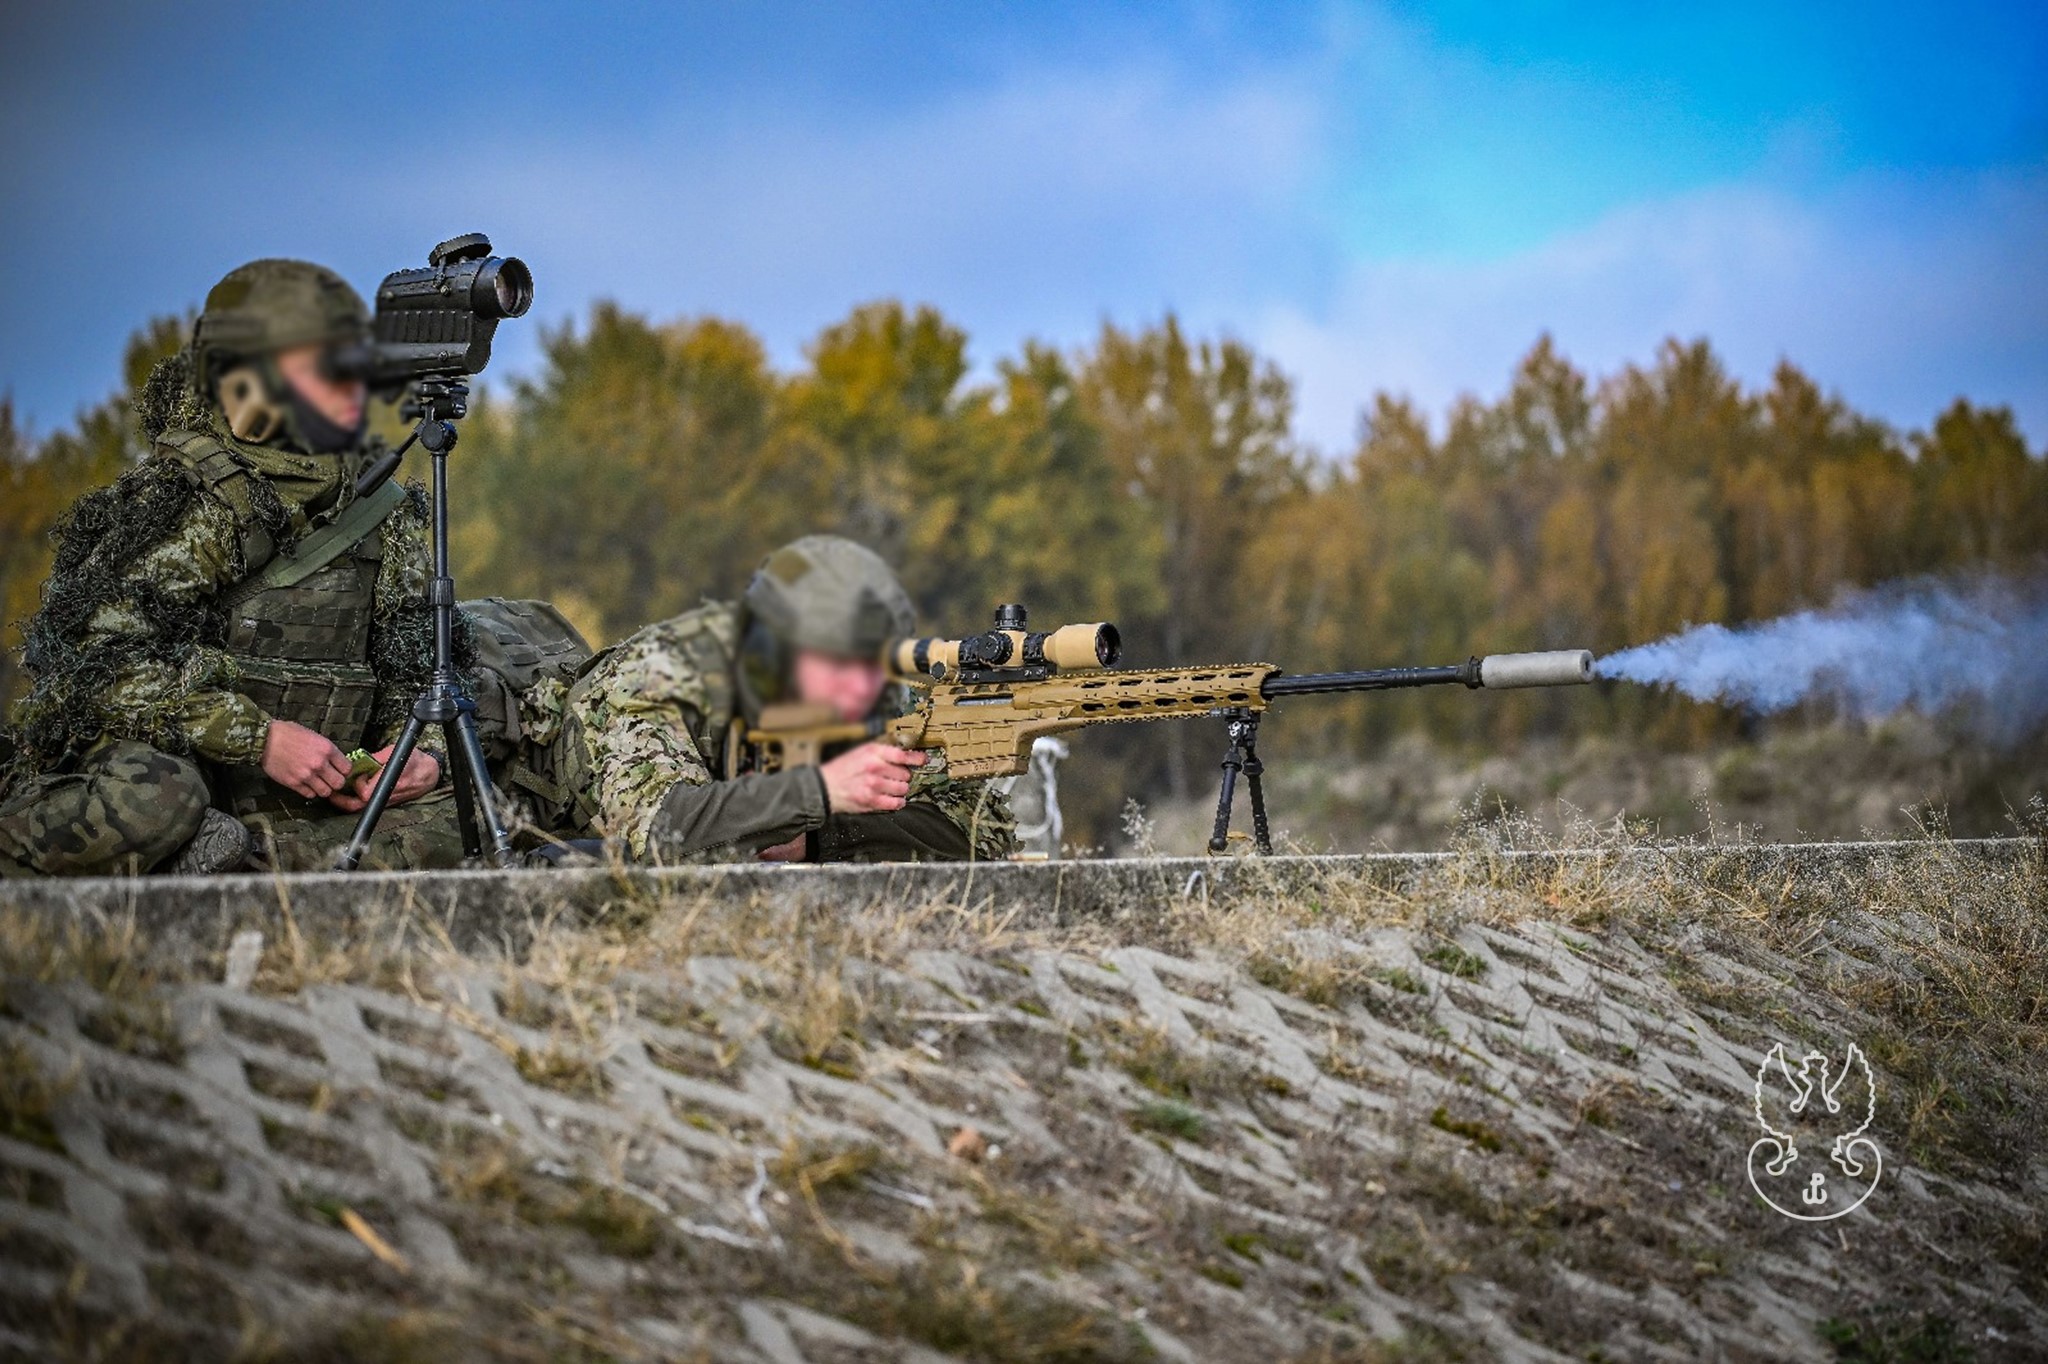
(1976,649)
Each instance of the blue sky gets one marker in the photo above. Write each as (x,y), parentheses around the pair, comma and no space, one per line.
(1378,196)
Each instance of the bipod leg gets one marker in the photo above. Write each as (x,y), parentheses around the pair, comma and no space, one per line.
(1233,763)
(1262,837)
(380,796)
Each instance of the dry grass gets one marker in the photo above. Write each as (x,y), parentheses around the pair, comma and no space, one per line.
(29,1097)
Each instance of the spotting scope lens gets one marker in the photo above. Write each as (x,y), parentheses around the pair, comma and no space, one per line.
(503,288)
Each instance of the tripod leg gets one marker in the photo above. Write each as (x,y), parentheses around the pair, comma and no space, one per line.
(465,743)
(465,791)
(387,781)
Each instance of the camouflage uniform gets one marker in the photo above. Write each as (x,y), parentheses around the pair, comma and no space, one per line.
(640,740)
(159,656)
(124,806)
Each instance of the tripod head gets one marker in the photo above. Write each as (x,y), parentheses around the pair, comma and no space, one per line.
(436,405)
(435,400)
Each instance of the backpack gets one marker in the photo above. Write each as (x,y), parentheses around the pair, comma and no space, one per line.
(519,645)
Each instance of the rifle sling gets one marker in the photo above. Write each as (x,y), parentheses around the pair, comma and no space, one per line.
(323,546)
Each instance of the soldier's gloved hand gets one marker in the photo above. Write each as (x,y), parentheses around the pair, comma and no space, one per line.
(422,774)
(873,777)
(304,760)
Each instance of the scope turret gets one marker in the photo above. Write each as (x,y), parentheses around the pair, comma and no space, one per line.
(1009,650)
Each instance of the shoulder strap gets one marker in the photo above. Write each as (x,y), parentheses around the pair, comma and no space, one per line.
(228,479)
(323,546)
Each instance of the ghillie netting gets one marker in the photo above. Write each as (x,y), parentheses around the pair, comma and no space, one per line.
(98,542)
(169,398)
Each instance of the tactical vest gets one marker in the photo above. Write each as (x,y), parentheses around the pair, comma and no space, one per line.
(301,651)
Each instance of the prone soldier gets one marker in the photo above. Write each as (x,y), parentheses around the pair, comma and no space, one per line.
(635,750)
(229,617)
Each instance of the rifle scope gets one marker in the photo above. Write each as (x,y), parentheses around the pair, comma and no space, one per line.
(1010,648)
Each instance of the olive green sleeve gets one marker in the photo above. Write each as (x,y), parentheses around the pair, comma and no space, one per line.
(196,696)
(743,815)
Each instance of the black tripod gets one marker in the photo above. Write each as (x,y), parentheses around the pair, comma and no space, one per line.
(437,403)
(1242,757)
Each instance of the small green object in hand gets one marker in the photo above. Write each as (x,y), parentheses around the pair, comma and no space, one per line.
(362,764)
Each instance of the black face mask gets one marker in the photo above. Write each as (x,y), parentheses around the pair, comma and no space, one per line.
(314,432)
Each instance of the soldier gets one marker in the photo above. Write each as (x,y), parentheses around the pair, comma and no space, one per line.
(638,742)
(229,617)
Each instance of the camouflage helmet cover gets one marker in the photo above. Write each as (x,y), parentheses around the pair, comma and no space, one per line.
(827,593)
(270,305)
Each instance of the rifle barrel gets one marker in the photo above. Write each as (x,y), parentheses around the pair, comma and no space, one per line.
(1559,668)
(1372,679)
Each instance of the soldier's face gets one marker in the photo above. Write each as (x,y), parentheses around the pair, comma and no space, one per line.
(851,686)
(339,400)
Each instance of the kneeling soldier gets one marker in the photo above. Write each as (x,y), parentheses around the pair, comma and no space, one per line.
(229,618)
(639,751)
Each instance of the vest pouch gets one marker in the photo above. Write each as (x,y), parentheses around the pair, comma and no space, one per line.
(324,619)
(337,701)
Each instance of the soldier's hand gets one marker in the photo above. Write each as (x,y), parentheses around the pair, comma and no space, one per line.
(304,760)
(874,777)
(422,774)
(792,851)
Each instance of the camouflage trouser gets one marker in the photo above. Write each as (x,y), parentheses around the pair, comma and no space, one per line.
(416,836)
(125,808)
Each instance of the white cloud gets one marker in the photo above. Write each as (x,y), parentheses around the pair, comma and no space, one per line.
(1028,207)
(1901,295)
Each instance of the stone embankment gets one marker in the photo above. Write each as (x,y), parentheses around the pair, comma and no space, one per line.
(1490,1104)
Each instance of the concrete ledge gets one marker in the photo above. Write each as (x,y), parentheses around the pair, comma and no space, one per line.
(193,915)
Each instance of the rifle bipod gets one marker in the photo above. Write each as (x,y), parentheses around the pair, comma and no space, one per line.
(445,702)
(1243,757)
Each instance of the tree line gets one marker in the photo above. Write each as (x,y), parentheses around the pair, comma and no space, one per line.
(1154,479)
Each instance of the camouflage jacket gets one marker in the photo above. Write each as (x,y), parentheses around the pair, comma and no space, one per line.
(128,641)
(653,712)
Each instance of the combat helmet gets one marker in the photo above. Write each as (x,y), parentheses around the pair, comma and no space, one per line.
(270,305)
(255,311)
(827,593)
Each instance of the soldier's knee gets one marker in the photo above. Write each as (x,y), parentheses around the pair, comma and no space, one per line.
(128,807)
(177,794)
